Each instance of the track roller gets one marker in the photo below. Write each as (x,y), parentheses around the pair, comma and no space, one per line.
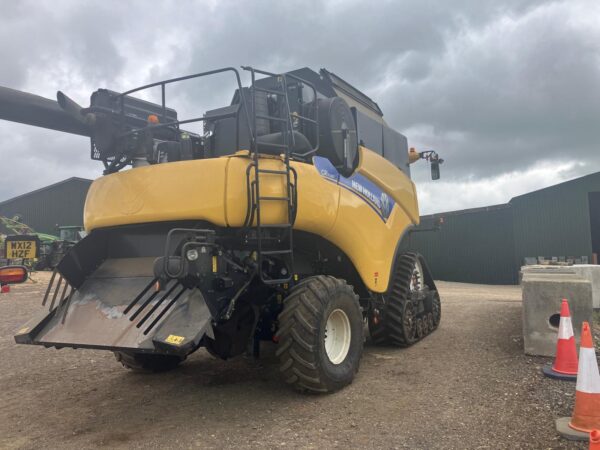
(411,308)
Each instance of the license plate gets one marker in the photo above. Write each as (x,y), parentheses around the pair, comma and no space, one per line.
(21,249)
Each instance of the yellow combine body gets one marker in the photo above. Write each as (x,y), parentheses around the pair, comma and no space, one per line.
(344,217)
(283,221)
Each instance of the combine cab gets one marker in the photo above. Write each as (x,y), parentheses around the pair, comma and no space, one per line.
(281,221)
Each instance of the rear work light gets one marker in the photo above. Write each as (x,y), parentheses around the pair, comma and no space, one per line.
(13,274)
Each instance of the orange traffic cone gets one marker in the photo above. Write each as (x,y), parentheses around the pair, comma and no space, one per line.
(595,440)
(586,414)
(565,362)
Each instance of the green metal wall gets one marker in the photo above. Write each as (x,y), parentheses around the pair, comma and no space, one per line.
(554,221)
(472,246)
(44,209)
(488,245)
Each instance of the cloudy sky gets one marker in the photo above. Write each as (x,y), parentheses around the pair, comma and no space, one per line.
(506,91)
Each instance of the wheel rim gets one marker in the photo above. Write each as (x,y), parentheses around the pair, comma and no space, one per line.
(337,336)
(417,281)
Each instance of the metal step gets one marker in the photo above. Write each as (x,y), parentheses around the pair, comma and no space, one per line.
(283,199)
(278,172)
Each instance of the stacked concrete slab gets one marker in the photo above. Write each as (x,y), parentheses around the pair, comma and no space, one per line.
(544,287)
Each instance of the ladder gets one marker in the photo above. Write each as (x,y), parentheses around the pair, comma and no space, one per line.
(283,246)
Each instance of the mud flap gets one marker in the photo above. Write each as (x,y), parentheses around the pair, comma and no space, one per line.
(119,308)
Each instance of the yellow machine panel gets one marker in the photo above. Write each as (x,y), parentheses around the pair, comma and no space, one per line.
(342,210)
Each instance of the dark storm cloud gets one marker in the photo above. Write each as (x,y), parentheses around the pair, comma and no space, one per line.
(499,89)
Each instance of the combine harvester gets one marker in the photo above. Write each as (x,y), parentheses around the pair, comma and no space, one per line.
(282,221)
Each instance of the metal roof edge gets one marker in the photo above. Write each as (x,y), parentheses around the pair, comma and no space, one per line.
(554,186)
(467,211)
(50,186)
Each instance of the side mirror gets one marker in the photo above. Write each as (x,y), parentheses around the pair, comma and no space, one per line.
(435,170)
(13,275)
(428,155)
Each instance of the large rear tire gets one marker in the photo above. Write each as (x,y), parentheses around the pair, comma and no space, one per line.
(147,362)
(320,335)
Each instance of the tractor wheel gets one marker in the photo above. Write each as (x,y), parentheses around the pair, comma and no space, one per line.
(320,335)
(147,362)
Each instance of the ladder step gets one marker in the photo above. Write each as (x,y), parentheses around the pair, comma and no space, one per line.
(278,119)
(283,199)
(277,172)
(276,252)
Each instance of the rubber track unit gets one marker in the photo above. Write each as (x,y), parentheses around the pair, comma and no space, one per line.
(298,335)
(390,328)
(140,362)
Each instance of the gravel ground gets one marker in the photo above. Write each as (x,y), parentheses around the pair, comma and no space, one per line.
(468,385)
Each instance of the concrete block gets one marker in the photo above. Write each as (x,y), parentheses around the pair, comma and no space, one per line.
(543,291)
(544,269)
(590,272)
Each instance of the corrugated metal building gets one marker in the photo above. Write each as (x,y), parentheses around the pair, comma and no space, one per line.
(46,208)
(489,245)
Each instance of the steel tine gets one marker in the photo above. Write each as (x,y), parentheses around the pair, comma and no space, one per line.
(165,309)
(157,304)
(62,295)
(67,304)
(49,287)
(58,285)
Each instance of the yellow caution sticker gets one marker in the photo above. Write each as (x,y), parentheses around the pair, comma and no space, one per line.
(175,340)
(214,264)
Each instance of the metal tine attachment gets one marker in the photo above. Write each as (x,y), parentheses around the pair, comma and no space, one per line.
(56,289)
(140,295)
(158,303)
(165,309)
(67,303)
(150,298)
(49,287)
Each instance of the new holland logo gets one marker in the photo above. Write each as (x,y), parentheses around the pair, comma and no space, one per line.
(368,191)
(385,204)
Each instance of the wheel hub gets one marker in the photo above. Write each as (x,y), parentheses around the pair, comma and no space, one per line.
(337,336)
(417,281)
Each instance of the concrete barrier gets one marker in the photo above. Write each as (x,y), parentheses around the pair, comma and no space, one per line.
(590,272)
(543,290)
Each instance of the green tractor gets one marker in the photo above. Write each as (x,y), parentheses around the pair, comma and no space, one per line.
(38,251)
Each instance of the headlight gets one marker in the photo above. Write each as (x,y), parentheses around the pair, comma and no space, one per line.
(192,255)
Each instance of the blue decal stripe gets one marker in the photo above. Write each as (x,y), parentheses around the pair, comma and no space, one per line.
(378,200)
